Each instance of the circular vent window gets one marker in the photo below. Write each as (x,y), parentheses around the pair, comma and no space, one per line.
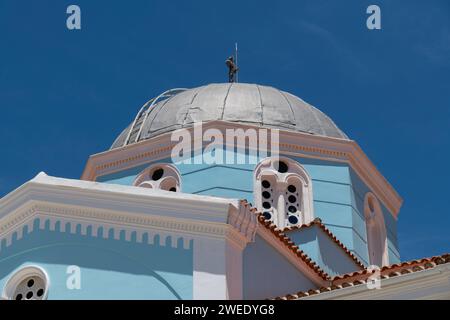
(29,283)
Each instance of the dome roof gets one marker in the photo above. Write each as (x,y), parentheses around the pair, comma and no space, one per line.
(234,102)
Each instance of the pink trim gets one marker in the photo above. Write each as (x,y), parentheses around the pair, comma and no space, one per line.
(291,143)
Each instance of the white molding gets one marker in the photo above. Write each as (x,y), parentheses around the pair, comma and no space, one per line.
(128,209)
(219,228)
(21,274)
(291,143)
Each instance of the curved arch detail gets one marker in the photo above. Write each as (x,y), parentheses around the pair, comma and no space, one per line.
(376,231)
(289,194)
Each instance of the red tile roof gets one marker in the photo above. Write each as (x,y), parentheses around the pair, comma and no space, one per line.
(361,277)
(345,280)
(281,234)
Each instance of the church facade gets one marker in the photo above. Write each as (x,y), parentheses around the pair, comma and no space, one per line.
(313,220)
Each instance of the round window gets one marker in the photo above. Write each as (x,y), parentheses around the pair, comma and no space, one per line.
(29,283)
(281,166)
(293,220)
(157,174)
(292,188)
(266,184)
(267,215)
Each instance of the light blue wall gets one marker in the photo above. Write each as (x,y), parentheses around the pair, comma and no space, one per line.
(358,194)
(323,250)
(268,274)
(338,195)
(110,269)
(229,181)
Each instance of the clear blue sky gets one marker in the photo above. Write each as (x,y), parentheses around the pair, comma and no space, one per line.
(67,94)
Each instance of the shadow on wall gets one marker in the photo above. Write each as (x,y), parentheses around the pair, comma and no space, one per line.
(104,257)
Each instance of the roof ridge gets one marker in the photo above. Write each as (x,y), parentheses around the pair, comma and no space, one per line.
(424,263)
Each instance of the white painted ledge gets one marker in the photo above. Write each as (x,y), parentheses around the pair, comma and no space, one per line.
(127,207)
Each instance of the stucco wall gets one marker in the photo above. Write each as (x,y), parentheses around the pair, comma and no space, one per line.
(323,250)
(268,274)
(110,269)
(338,195)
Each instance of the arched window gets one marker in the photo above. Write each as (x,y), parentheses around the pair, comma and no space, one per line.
(283,192)
(376,231)
(161,176)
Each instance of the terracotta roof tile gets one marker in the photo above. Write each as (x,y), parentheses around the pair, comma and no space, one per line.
(360,277)
(282,236)
(344,280)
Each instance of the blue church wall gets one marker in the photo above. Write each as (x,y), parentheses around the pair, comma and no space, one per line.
(333,189)
(323,250)
(110,269)
(267,273)
(200,178)
(337,191)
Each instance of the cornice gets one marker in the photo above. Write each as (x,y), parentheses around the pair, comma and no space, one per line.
(291,143)
(117,198)
(204,217)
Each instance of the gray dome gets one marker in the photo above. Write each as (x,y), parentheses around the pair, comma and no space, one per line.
(234,102)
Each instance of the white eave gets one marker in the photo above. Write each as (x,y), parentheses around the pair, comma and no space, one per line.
(126,206)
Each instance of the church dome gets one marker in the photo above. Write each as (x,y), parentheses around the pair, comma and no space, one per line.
(233,102)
